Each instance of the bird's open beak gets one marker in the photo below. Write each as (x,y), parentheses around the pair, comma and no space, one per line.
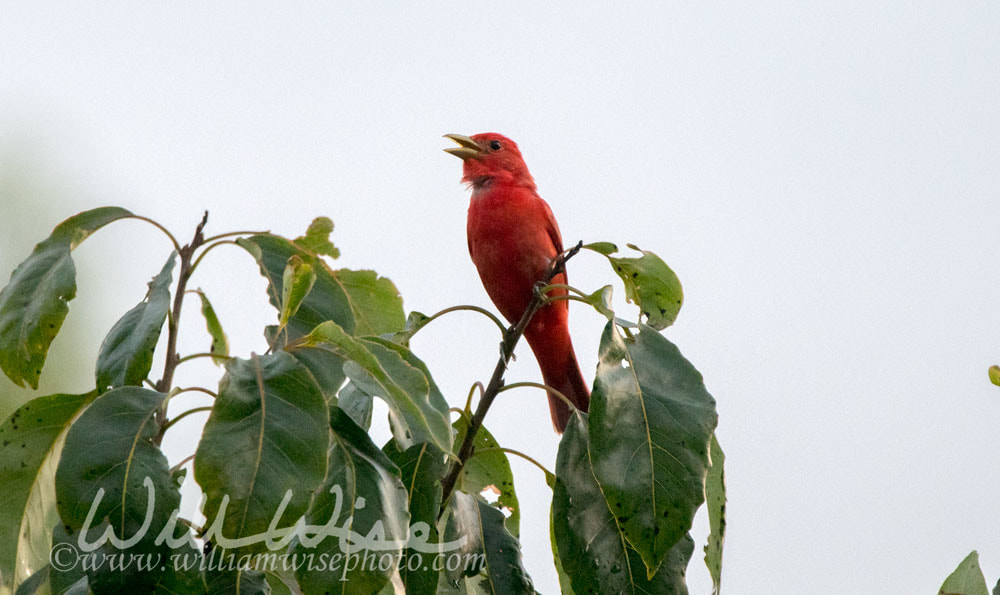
(466,149)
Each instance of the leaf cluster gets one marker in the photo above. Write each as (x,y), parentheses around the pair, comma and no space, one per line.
(287,464)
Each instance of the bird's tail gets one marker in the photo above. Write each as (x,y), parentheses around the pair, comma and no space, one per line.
(561,371)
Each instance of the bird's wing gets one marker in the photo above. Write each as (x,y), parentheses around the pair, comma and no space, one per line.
(552,227)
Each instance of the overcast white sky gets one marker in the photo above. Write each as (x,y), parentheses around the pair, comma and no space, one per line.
(822,176)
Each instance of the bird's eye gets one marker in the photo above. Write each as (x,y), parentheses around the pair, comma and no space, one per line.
(495,145)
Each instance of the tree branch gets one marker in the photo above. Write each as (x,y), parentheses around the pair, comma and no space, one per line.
(510,339)
(173,358)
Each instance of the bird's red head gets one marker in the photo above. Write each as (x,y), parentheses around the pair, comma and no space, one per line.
(489,158)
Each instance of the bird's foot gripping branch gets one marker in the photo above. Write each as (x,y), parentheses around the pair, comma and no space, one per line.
(297,496)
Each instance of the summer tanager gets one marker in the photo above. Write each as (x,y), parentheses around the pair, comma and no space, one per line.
(513,238)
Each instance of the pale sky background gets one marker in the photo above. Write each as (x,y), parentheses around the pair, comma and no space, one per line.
(823,177)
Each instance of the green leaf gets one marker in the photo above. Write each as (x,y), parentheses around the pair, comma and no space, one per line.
(126,354)
(80,587)
(33,305)
(715,497)
(183,574)
(317,238)
(282,582)
(379,367)
(62,581)
(296,282)
(489,470)
(356,403)
(649,284)
(489,547)
(995,375)
(361,302)
(31,440)
(414,322)
(605,248)
(267,433)
(422,466)
(653,475)
(110,451)
(967,579)
(600,300)
(226,582)
(590,542)
(327,369)
(220,342)
(35,582)
(364,489)
(565,582)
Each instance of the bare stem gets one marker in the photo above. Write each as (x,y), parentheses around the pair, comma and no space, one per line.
(156,224)
(472,391)
(545,387)
(511,337)
(566,287)
(181,464)
(173,358)
(198,389)
(230,234)
(171,423)
(188,358)
(208,249)
(483,311)
(517,453)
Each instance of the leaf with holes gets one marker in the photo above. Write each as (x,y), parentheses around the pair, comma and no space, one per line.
(31,440)
(489,549)
(126,354)
(110,451)
(649,283)
(653,475)
(267,433)
(589,542)
(715,498)
(489,470)
(35,301)
(364,492)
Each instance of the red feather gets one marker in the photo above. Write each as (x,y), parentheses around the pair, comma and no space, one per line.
(513,237)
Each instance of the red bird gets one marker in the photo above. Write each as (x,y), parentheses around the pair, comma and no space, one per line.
(513,237)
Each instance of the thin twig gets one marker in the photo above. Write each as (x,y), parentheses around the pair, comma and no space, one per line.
(156,224)
(511,337)
(173,358)
(208,249)
(196,389)
(518,453)
(173,421)
(472,390)
(187,358)
(483,311)
(181,464)
(230,234)
(566,287)
(545,387)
